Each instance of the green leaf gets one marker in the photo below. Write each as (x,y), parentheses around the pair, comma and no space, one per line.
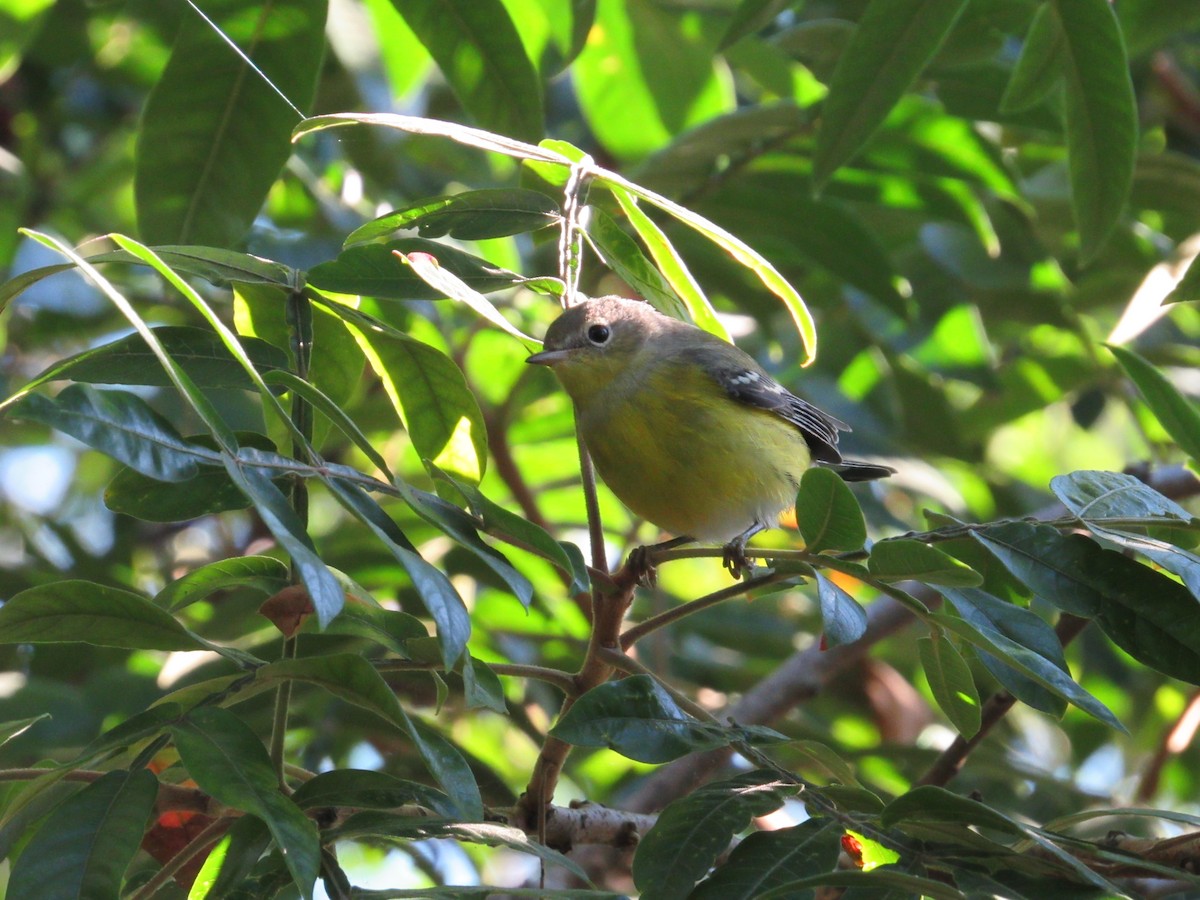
(1039,67)
(195,182)
(479,51)
(620,252)
(892,44)
(749,17)
(496,520)
(903,559)
(387,627)
(229,762)
(232,860)
(1050,564)
(430,394)
(220,267)
(1178,416)
(824,232)
(368,790)
(951,682)
(935,804)
(449,285)
(432,586)
(694,830)
(842,618)
(769,859)
(121,425)
(827,514)
(1127,511)
(198,351)
(1031,664)
(281,519)
(264,574)
(85,845)
(70,611)
(209,491)
(638,719)
(986,612)
(672,266)
(373,271)
(1102,127)
(469,216)
(10,730)
(646,74)
(1150,616)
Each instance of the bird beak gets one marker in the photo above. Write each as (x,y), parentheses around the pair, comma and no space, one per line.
(549,357)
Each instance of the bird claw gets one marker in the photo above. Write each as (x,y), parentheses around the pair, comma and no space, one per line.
(641,565)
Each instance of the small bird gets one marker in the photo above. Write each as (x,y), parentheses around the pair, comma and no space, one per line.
(687,430)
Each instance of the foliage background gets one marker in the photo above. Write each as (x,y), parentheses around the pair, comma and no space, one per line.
(973,197)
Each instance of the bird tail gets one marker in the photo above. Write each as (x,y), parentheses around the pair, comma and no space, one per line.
(853,470)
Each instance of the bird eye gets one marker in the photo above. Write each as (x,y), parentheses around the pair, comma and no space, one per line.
(598,334)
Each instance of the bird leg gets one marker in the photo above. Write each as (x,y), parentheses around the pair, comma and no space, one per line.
(642,563)
(735,551)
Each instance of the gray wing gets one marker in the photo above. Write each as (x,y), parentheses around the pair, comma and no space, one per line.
(749,386)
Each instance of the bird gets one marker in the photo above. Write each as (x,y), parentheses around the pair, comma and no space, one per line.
(688,431)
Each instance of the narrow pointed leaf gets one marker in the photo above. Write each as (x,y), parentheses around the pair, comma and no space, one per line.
(228,761)
(891,45)
(85,845)
(1039,67)
(469,216)
(195,182)
(476,45)
(951,682)
(1102,127)
(1178,416)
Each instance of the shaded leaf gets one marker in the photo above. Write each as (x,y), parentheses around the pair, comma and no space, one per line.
(1102,128)
(902,559)
(368,790)
(694,830)
(85,845)
(951,682)
(891,45)
(1031,664)
(260,573)
(434,589)
(1039,67)
(986,612)
(843,620)
(372,270)
(469,216)
(638,719)
(198,351)
(195,183)
(1177,415)
(228,761)
(66,611)
(209,491)
(121,425)
(769,859)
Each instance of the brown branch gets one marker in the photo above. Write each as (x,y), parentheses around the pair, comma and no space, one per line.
(201,842)
(1176,740)
(804,674)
